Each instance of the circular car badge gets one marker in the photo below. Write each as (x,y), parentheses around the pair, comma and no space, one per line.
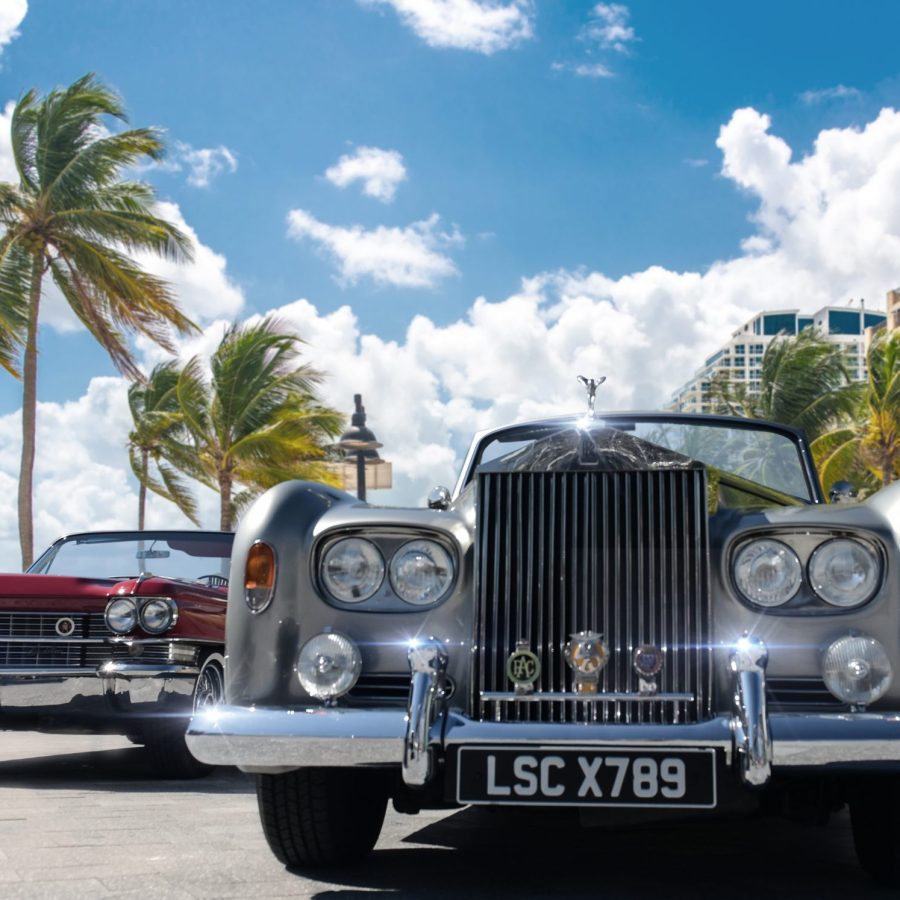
(523,667)
(65,626)
(647,660)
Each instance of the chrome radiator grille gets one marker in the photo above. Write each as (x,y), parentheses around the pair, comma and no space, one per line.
(621,553)
(30,640)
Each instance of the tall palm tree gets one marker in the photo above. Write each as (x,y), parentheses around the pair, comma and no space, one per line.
(865,449)
(804,381)
(72,215)
(256,420)
(158,439)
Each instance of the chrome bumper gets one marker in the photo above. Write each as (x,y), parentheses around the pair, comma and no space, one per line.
(268,740)
(114,689)
(749,738)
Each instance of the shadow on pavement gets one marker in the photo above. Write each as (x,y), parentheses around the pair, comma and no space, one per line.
(113,770)
(488,853)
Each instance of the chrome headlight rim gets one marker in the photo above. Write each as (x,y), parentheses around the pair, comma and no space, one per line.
(127,603)
(788,553)
(427,546)
(169,623)
(364,544)
(815,581)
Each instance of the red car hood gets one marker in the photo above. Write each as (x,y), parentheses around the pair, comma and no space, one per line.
(18,591)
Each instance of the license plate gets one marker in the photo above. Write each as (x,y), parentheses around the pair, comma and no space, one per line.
(595,776)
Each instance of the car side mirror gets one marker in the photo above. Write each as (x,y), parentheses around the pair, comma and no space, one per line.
(841,492)
(439,498)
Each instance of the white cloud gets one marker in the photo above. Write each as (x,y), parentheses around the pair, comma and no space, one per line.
(401,257)
(380,171)
(609,27)
(8,170)
(484,26)
(584,70)
(12,12)
(206,163)
(826,228)
(839,92)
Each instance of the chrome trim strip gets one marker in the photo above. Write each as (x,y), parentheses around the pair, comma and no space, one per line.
(428,666)
(116,669)
(270,739)
(49,639)
(604,697)
(752,740)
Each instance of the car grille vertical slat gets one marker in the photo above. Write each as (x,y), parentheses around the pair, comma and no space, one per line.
(624,553)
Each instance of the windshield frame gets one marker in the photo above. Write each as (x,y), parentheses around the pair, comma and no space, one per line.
(795,435)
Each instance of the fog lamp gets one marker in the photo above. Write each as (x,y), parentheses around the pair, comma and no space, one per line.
(121,615)
(857,670)
(328,665)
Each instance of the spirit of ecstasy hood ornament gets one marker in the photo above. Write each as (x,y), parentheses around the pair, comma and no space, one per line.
(591,385)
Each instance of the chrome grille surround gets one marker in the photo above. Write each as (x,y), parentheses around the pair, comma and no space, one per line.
(624,553)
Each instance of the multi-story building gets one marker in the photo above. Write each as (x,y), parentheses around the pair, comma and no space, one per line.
(893,310)
(740,359)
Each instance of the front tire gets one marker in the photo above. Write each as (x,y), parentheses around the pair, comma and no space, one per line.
(322,817)
(875,818)
(164,737)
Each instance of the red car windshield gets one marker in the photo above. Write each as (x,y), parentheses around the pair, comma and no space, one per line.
(168,555)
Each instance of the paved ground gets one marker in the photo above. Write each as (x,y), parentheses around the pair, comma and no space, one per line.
(79,818)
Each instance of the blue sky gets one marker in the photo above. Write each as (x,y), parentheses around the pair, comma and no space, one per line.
(633,173)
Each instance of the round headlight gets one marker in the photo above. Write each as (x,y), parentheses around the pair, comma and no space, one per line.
(421,572)
(857,670)
(352,570)
(328,665)
(158,615)
(121,615)
(767,572)
(844,572)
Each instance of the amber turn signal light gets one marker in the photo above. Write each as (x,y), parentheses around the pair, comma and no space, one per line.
(259,576)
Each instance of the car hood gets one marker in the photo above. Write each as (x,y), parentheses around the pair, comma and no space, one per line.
(18,591)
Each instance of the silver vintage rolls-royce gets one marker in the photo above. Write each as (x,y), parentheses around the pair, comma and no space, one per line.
(618,613)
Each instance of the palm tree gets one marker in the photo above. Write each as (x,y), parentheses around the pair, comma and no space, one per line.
(73,215)
(865,449)
(255,421)
(157,438)
(804,381)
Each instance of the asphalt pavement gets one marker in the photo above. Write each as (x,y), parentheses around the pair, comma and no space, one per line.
(80,818)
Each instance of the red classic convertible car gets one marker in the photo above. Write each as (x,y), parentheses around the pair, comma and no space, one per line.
(117,632)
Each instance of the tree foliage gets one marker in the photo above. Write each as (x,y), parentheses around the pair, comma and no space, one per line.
(73,215)
(254,420)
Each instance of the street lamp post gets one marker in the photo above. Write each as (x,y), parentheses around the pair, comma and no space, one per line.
(361,447)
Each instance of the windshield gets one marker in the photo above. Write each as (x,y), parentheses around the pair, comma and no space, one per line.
(762,455)
(168,555)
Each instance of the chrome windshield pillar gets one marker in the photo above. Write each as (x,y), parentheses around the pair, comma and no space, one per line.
(752,737)
(428,665)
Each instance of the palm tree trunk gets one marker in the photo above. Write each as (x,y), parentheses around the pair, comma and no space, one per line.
(29,417)
(142,490)
(225,487)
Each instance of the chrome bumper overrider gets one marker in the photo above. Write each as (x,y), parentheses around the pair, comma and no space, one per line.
(754,741)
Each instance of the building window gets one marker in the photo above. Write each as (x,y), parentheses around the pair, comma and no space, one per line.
(842,321)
